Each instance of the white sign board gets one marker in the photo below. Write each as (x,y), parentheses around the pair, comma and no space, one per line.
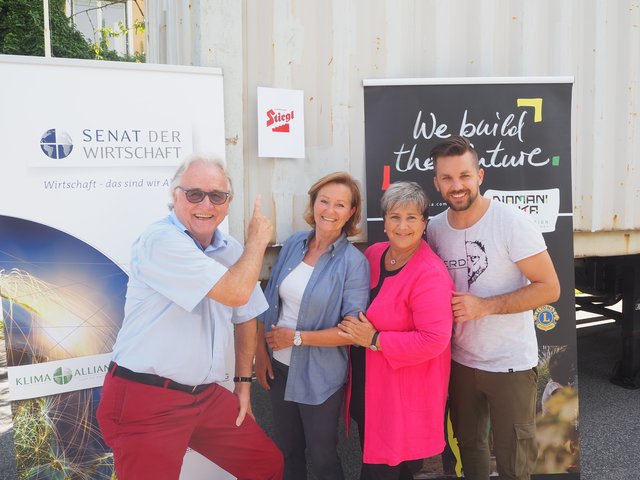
(89,151)
(280,123)
(91,145)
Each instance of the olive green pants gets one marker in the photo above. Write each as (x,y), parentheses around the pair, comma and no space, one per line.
(506,402)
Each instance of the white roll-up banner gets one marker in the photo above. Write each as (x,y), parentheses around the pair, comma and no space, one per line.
(89,150)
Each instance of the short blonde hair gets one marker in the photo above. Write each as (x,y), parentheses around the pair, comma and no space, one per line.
(342,178)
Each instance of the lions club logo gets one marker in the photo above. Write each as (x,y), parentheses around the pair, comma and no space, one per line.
(545,317)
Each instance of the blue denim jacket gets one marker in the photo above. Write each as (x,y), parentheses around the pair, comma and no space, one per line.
(339,286)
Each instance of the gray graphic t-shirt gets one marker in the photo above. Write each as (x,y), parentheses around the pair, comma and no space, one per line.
(482,260)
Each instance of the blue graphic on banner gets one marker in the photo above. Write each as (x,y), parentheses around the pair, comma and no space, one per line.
(56,144)
(61,299)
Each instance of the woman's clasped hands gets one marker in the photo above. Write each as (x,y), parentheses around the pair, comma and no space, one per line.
(359,330)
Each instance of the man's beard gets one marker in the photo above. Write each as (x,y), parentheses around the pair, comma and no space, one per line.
(465,206)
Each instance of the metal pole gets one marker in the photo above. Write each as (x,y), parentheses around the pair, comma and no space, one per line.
(47,30)
(129,22)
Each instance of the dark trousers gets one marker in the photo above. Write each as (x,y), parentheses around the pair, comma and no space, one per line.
(149,429)
(402,471)
(311,428)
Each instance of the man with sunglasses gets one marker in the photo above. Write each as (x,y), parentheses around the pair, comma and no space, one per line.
(190,285)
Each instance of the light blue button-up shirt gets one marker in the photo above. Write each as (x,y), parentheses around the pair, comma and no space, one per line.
(339,286)
(171,328)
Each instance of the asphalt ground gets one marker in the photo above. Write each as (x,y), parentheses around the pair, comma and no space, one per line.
(609,415)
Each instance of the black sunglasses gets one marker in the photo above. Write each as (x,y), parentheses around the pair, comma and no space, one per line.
(195,195)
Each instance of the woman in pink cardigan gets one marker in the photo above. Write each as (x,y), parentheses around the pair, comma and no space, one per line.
(400,380)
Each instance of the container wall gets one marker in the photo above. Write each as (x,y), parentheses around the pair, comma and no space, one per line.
(328,48)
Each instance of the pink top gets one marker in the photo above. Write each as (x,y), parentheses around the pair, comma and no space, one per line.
(406,383)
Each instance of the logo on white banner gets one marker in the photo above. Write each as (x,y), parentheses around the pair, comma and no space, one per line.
(542,205)
(112,145)
(56,143)
(49,378)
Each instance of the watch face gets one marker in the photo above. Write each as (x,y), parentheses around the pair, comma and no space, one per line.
(297,339)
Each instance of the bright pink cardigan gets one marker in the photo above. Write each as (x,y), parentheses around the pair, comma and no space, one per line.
(406,383)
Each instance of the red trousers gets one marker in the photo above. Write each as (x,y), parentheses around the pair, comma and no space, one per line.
(149,429)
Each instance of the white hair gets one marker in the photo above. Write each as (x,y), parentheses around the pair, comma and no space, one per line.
(198,158)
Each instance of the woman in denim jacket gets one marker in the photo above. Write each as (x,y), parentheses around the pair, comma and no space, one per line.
(319,278)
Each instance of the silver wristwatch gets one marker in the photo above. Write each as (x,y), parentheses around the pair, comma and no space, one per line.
(297,338)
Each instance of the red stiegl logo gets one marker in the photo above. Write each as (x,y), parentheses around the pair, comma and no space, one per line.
(279,120)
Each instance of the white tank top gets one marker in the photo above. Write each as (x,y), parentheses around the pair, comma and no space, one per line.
(291,291)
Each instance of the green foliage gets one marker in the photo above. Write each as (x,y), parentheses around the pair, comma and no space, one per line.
(22,33)
(22,30)
(101,48)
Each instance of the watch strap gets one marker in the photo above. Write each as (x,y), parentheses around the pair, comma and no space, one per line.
(374,340)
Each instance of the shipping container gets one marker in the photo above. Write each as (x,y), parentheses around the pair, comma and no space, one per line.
(328,48)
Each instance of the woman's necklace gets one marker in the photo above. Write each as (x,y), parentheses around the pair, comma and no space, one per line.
(393,261)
